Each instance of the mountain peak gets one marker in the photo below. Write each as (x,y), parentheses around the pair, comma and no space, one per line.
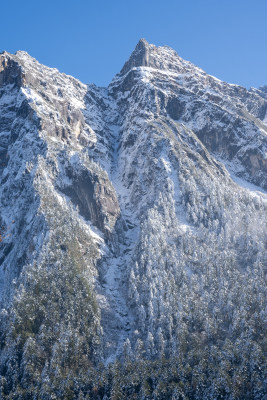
(143,45)
(149,55)
(139,57)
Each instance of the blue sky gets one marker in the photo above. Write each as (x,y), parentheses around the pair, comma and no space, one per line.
(91,39)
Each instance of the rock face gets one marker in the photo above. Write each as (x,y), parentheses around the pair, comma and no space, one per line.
(132,217)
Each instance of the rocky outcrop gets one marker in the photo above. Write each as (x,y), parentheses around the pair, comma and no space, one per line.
(95,198)
(10,71)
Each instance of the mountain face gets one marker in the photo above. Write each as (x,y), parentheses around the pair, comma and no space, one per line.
(133,232)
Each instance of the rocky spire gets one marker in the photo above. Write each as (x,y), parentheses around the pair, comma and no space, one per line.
(10,70)
(139,57)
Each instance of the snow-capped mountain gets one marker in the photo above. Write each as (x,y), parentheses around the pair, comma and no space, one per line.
(133,228)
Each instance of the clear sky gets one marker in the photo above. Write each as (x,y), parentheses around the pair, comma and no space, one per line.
(91,39)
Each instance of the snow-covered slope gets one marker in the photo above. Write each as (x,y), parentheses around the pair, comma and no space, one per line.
(133,217)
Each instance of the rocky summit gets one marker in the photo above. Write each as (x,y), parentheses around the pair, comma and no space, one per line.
(132,233)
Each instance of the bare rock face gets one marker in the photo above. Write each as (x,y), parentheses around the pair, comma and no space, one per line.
(10,71)
(95,197)
(132,217)
(139,58)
